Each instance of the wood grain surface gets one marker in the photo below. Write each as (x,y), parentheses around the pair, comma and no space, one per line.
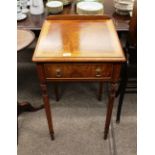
(78,38)
(78,70)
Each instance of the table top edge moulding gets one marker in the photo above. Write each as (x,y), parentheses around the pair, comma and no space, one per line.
(78,38)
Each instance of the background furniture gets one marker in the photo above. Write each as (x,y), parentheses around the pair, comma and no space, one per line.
(34,22)
(128,83)
(80,56)
(24,39)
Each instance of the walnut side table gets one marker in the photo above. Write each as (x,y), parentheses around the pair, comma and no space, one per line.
(78,48)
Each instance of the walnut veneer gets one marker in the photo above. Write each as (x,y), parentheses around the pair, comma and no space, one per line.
(78,48)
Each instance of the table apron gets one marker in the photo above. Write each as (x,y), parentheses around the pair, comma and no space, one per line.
(81,71)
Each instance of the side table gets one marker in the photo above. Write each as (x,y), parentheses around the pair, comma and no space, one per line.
(78,48)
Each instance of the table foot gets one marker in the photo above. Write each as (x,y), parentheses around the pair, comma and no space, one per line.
(52,136)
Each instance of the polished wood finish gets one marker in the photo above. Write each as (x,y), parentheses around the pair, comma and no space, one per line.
(109,108)
(64,71)
(43,86)
(66,52)
(34,22)
(57,43)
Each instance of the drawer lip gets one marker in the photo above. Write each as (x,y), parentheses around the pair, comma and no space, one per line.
(74,71)
(79,79)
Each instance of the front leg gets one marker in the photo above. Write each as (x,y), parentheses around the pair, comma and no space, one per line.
(109,108)
(41,74)
(47,109)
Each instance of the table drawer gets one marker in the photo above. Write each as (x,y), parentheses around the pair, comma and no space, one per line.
(78,70)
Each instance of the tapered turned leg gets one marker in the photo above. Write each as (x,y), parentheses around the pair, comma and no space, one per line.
(100,91)
(109,109)
(56,91)
(42,78)
(47,109)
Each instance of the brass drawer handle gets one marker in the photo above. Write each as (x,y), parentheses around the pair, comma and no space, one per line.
(98,72)
(58,73)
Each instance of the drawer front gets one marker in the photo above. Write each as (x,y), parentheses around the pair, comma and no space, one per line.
(78,70)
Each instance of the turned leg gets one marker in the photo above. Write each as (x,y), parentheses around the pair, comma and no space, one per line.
(41,75)
(109,109)
(47,109)
(100,91)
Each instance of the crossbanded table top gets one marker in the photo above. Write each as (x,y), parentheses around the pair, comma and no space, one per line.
(79,38)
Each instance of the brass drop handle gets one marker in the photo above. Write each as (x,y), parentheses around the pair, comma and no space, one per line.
(58,73)
(98,72)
